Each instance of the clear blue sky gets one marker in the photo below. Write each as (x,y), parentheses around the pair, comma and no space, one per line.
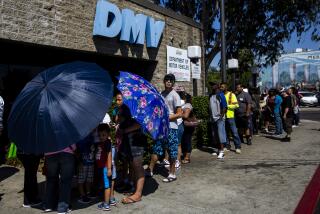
(289,46)
(305,42)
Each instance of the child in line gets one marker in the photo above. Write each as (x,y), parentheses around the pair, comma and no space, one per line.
(86,168)
(104,164)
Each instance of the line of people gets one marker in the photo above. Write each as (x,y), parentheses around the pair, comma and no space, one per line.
(104,165)
(95,158)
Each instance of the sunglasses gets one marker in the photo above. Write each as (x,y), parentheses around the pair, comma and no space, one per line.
(168,80)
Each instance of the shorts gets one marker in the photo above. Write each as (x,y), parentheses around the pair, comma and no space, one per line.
(85,173)
(135,143)
(106,180)
(242,122)
(171,143)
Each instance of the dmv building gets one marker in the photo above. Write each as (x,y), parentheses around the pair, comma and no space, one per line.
(119,35)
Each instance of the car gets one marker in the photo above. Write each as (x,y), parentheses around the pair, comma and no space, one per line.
(308,98)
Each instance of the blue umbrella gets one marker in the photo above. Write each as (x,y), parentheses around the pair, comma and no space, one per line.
(59,107)
(146,104)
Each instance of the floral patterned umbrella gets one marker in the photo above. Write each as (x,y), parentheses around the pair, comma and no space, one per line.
(146,104)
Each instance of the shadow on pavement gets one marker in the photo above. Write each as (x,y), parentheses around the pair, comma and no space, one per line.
(150,186)
(7,171)
(272,137)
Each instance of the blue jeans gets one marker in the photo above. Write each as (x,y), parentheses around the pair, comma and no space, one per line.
(180,132)
(218,129)
(278,122)
(232,125)
(59,164)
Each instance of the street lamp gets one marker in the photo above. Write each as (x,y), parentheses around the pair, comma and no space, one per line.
(233,64)
(223,43)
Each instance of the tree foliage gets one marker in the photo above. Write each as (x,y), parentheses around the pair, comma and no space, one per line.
(261,26)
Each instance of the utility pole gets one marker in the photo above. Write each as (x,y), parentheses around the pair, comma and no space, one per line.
(223,43)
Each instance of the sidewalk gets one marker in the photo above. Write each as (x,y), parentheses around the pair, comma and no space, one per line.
(269,176)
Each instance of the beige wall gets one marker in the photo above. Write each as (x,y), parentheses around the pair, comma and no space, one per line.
(69,24)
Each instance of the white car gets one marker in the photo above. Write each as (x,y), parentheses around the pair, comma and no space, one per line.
(308,98)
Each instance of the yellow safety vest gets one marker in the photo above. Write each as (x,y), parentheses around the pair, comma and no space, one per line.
(232,103)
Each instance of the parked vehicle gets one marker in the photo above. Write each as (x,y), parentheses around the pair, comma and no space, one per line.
(308,98)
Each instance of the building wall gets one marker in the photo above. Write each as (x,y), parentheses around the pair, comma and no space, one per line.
(69,24)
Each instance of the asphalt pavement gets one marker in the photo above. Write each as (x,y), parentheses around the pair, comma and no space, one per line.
(269,176)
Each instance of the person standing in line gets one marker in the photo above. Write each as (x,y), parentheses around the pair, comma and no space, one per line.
(186,144)
(85,172)
(287,115)
(277,112)
(218,108)
(104,164)
(232,104)
(173,102)
(134,140)
(243,113)
(60,167)
(30,164)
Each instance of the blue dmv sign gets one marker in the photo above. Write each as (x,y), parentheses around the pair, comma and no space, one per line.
(110,22)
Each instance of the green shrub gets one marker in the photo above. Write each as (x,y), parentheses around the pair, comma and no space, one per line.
(201,110)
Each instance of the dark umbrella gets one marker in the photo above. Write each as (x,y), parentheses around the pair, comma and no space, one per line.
(146,104)
(59,107)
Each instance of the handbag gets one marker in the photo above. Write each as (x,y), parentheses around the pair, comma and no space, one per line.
(191,122)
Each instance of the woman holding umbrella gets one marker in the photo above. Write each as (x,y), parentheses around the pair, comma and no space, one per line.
(134,141)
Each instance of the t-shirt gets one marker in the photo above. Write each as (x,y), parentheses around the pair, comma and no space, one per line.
(277,104)
(244,99)
(86,150)
(103,148)
(173,101)
(287,103)
(217,104)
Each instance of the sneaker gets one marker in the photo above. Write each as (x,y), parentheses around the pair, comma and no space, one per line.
(68,211)
(47,210)
(113,202)
(225,149)
(177,164)
(214,153)
(33,204)
(104,206)
(249,142)
(84,200)
(238,151)
(166,163)
(220,156)
(295,126)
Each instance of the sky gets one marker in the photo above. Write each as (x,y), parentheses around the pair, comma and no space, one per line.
(289,46)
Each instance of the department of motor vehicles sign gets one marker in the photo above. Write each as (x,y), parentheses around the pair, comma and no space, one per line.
(178,63)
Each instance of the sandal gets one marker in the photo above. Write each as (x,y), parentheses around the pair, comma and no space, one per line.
(129,200)
(185,161)
(169,179)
